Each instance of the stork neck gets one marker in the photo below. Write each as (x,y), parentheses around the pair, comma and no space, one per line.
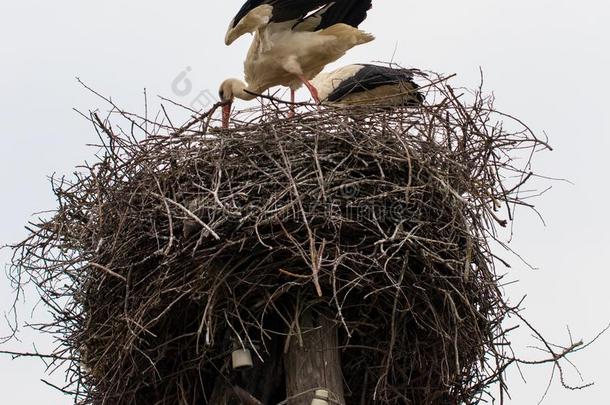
(242,91)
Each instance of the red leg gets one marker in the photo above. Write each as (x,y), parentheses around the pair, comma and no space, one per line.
(311,88)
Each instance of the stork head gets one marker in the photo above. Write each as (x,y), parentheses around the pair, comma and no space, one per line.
(227,95)
(229,90)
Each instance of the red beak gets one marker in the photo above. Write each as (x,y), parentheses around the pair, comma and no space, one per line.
(226,114)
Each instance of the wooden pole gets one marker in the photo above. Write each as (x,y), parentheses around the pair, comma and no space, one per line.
(313,362)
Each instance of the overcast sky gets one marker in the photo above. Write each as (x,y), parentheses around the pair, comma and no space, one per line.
(547,62)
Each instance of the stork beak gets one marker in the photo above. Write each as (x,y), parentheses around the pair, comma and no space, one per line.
(226,114)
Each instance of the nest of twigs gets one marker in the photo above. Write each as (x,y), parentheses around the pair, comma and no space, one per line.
(171,250)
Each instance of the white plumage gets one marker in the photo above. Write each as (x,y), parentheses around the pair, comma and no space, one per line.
(293,42)
(369,84)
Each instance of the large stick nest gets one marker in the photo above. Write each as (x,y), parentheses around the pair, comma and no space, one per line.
(170,251)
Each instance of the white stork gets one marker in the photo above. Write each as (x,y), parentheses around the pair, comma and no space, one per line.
(293,41)
(369,84)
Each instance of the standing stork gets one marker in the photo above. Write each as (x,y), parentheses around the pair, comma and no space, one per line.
(293,41)
(369,84)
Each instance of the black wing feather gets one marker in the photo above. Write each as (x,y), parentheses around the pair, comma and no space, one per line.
(283,10)
(371,77)
(350,12)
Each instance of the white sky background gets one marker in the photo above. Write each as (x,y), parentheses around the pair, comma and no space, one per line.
(547,61)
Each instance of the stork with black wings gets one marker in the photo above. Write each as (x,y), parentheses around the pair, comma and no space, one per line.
(293,41)
(318,14)
(369,84)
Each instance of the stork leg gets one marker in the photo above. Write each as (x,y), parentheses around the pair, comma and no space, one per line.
(311,88)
